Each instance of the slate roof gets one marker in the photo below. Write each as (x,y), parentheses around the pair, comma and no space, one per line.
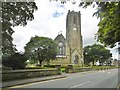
(60,37)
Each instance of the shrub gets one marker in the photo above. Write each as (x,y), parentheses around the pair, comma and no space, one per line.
(64,66)
(6,68)
(16,61)
(37,67)
(50,66)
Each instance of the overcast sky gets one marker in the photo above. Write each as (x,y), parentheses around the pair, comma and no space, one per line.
(50,19)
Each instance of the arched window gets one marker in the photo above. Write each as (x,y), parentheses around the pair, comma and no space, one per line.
(61,48)
(75,20)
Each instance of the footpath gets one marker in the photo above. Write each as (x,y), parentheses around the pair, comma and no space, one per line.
(29,80)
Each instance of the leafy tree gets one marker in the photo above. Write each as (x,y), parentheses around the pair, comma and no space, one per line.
(16,61)
(41,49)
(87,55)
(14,14)
(96,52)
(109,25)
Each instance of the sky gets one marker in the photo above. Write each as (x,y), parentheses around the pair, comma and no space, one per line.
(50,19)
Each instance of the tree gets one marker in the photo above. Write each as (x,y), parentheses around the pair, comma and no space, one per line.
(41,49)
(16,61)
(96,52)
(87,55)
(14,14)
(109,25)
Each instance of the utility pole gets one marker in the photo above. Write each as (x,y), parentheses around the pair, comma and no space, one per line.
(119,51)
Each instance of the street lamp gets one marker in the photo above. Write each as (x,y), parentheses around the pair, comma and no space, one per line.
(86,53)
(84,58)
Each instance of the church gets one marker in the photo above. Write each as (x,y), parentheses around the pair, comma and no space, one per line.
(70,48)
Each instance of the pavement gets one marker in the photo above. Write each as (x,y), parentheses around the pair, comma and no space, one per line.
(12,83)
(29,80)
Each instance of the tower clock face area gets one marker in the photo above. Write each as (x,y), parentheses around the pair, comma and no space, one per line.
(74,29)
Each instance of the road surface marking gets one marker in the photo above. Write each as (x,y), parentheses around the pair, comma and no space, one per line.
(35,83)
(80,84)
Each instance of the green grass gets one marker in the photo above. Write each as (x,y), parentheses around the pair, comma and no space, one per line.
(63,69)
(38,67)
(102,67)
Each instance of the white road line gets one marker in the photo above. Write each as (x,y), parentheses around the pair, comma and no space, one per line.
(80,84)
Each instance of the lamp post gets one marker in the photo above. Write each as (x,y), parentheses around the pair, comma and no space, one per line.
(84,57)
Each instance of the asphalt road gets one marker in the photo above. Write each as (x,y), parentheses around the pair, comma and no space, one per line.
(97,79)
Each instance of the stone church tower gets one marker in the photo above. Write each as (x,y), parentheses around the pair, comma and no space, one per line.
(71,47)
(74,46)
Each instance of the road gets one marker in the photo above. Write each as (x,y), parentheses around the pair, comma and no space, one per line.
(97,79)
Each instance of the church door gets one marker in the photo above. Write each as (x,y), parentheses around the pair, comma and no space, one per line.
(76,59)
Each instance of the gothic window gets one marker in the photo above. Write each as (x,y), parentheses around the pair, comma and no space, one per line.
(60,51)
(75,20)
(61,48)
(60,44)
